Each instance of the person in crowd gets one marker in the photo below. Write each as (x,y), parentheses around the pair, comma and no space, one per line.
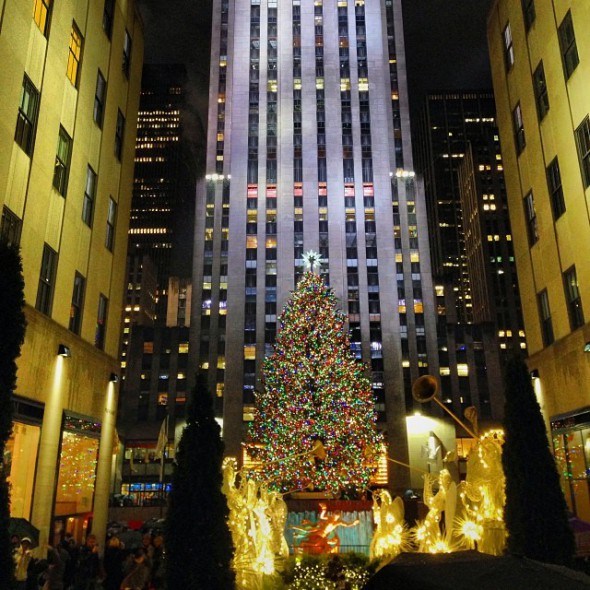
(69,548)
(148,547)
(14,543)
(88,567)
(23,562)
(158,563)
(114,558)
(54,573)
(139,574)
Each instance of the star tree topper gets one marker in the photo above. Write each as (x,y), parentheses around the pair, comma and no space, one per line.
(311,258)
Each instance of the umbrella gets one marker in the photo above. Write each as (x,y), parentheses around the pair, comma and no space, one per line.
(23,528)
(466,570)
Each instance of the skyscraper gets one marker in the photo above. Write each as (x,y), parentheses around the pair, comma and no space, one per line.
(540,55)
(480,320)
(69,94)
(309,149)
(154,350)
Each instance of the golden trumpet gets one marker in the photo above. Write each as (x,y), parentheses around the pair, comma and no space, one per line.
(425,389)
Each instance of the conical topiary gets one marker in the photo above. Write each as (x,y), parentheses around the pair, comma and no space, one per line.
(12,333)
(198,540)
(535,512)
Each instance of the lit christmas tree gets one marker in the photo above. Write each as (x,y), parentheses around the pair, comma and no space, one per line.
(314,422)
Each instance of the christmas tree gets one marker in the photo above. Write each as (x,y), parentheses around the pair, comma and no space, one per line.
(314,422)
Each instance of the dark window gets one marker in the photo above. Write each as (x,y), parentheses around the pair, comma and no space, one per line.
(555,189)
(26,121)
(46,280)
(101,321)
(99,98)
(531,218)
(42,15)
(545,315)
(62,162)
(111,225)
(119,132)
(528,11)
(567,44)
(519,138)
(77,303)
(10,228)
(74,55)
(126,53)
(583,142)
(508,47)
(108,16)
(541,94)
(89,196)
(573,299)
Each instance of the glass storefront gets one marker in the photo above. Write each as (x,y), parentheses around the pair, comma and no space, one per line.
(20,459)
(76,479)
(571,446)
(77,473)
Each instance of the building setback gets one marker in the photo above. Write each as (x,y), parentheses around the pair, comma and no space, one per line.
(540,54)
(156,316)
(69,94)
(480,320)
(309,149)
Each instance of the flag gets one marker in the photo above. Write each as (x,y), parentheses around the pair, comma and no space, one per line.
(162,439)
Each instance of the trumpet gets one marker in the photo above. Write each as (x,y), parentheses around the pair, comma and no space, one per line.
(425,389)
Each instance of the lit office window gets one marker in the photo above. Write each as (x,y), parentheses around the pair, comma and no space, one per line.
(42,15)
(74,55)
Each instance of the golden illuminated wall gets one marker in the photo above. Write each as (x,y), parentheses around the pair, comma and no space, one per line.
(564,368)
(27,190)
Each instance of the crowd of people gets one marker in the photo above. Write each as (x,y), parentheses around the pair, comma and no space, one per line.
(130,562)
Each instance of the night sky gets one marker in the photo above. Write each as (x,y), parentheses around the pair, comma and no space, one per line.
(445,43)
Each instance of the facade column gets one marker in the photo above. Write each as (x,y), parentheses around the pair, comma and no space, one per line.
(47,462)
(103,471)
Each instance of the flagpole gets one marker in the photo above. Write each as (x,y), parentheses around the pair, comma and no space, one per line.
(162,459)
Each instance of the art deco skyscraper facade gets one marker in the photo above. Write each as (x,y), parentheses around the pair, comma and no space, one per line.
(309,149)
(540,56)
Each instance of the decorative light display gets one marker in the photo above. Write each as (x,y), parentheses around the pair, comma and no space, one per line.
(432,535)
(257,520)
(314,422)
(483,498)
(391,536)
